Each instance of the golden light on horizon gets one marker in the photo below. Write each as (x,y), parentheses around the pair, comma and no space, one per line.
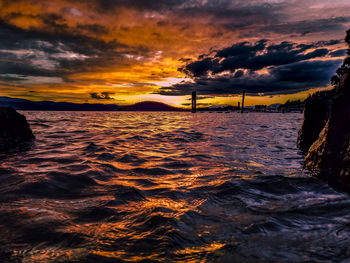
(133,50)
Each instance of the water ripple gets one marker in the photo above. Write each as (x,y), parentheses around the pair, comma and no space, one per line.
(164,187)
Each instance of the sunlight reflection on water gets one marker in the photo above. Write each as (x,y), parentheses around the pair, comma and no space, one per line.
(211,187)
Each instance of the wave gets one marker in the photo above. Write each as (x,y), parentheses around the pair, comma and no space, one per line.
(121,187)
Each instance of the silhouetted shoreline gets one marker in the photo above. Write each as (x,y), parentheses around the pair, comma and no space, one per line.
(28,105)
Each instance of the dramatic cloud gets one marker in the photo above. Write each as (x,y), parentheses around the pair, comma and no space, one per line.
(260,68)
(305,27)
(44,54)
(253,57)
(70,49)
(286,79)
(338,53)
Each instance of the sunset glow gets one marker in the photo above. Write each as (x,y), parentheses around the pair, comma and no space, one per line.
(141,50)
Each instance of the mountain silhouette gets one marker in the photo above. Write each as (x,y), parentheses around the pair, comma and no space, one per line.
(23,104)
(150,106)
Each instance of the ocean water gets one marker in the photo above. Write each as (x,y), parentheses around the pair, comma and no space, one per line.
(167,187)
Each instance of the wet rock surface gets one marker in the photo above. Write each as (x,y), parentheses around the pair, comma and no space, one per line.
(329,155)
(14,130)
(328,148)
(316,114)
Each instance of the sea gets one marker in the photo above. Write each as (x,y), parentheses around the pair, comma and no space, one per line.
(167,187)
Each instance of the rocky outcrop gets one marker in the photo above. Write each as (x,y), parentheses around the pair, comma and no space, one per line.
(14,130)
(329,155)
(325,133)
(316,113)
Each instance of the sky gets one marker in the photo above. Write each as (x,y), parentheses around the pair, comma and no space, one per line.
(127,51)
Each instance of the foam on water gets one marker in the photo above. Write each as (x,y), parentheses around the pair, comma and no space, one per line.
(167,187)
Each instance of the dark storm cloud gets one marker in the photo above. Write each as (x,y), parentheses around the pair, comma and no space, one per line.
(333,24)
(104,6)
(57,53)
(327,43)
(186,6)
(284,79)
(312,73)
(25,69)
(338,53)
(288,67)
(16,38)
(245,17)
(139,4)
(253,57)
(229,14)
(102,95)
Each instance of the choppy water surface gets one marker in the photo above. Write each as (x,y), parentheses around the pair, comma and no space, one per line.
(167,187)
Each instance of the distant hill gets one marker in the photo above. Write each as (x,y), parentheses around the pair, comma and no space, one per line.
(22,104)
(150,106)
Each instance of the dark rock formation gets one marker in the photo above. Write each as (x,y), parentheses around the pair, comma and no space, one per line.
(326,128)
(14,130)
(329,155)
(150,106)
(316,112)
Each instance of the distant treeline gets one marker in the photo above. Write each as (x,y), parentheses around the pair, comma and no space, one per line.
(323,94)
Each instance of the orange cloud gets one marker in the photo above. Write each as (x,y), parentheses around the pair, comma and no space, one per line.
(134,49)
